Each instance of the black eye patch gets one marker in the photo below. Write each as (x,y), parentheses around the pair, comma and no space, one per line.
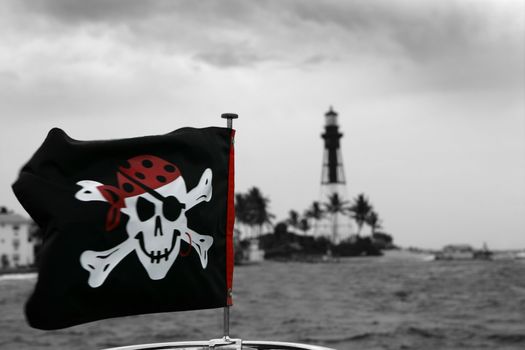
(171,208)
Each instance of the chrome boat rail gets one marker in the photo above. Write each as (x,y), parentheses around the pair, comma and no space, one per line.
(223,344)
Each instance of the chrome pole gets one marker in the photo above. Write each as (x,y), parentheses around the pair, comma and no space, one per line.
(226,322)
(226,311)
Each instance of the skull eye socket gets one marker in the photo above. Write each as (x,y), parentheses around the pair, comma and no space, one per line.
(171,208)
(145,209)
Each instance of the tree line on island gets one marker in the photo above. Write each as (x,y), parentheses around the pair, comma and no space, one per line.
(298,235)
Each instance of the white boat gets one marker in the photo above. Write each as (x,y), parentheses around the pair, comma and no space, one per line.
(223,344)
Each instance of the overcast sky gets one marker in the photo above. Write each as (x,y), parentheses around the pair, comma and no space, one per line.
(430,96)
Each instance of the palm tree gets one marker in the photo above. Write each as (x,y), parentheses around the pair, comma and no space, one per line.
(304,225)
(293,218)
(251,209)
(241,208)
(258,205)
(336,206)
(360,209)
(373,220)
(316,213)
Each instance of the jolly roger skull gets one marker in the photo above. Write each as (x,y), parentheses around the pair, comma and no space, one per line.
(153,194)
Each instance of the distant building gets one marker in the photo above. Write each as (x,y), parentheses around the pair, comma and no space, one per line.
(456,252)
(17,244)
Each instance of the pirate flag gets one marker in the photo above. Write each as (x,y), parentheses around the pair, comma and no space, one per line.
(131,226)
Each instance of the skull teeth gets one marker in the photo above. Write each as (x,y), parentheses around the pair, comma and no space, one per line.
(157,256)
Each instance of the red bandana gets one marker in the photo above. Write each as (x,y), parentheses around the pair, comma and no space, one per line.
(146,170)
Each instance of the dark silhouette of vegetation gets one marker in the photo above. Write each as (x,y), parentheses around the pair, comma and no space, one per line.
(360,210)
(383,240)
(372,220)
(298,222)
(316,213)
(283,244)
(356,247)
(251,209)
(304,225)
(293,218)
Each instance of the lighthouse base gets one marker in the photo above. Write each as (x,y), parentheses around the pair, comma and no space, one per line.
(337,226)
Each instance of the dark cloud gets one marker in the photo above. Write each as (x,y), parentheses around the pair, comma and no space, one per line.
(111,11)
(305,33)
(422,31)
(230,57)
(93,10)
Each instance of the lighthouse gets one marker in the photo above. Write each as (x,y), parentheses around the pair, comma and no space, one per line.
(333,174)
(333,183)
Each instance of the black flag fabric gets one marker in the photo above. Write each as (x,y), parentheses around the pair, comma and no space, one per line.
(131,226)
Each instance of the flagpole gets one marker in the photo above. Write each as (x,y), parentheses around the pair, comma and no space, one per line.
(226,311)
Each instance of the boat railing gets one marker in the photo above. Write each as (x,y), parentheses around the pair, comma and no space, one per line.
(223,344)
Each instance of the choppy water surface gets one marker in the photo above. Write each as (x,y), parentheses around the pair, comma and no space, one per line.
(363,303)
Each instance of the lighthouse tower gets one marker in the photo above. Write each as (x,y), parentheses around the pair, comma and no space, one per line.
(333,183)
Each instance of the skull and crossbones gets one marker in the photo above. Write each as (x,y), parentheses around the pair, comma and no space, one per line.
(152,193)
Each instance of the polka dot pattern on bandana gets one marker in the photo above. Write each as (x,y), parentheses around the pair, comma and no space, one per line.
(150,171)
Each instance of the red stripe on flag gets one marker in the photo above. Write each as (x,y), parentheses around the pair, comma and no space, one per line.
(230,222)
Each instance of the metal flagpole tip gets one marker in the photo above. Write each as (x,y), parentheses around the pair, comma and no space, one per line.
(229,119)
(229,116)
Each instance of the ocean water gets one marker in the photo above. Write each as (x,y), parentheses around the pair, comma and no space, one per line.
(356,303)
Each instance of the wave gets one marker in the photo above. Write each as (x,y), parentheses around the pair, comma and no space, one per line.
(423,333)
(508,338)
(341,339)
